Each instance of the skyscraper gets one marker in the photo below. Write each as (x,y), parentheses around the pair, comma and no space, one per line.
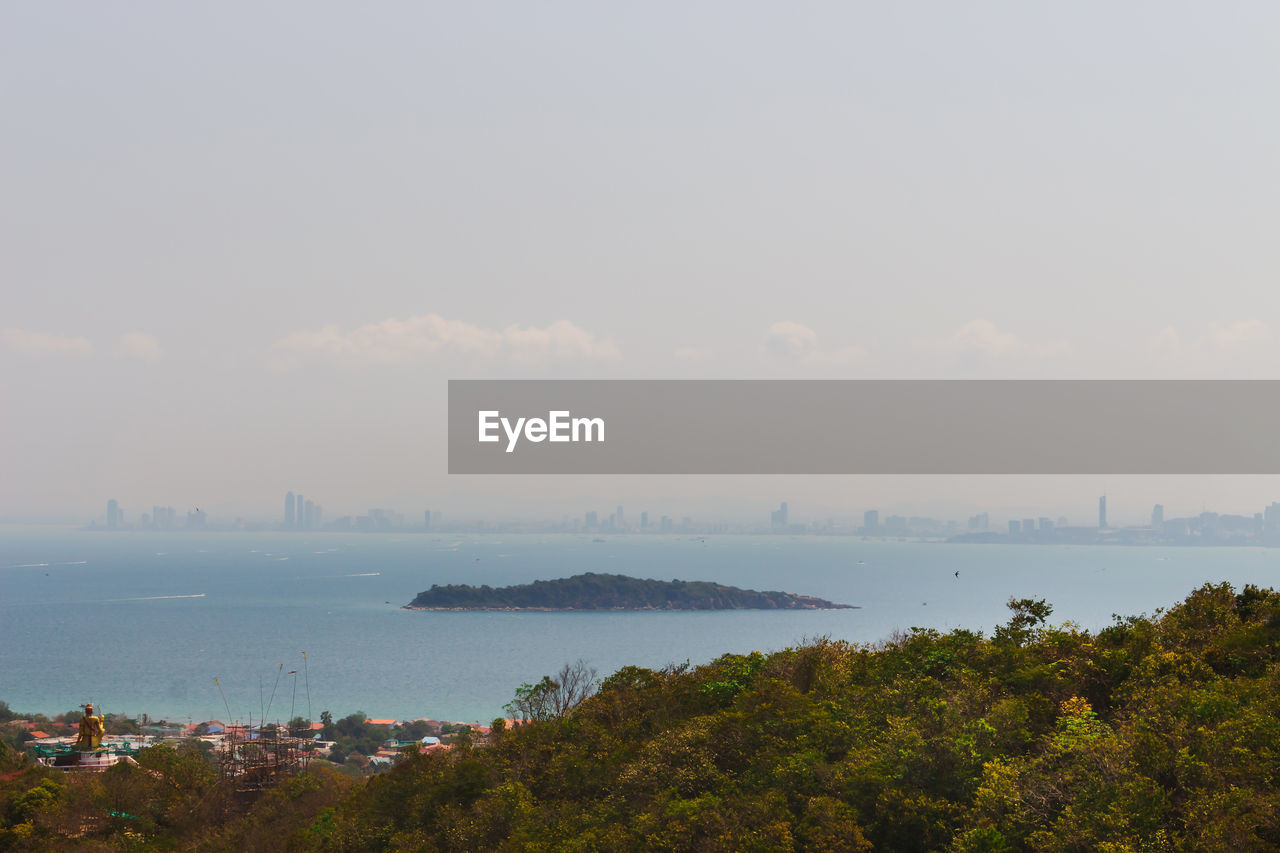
(1157,517)
(113,514)
(870,521)
(1102,511)
(289,516)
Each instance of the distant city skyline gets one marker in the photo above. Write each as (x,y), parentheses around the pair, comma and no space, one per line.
(1206,527)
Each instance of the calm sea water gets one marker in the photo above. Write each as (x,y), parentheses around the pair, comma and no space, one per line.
(145,621)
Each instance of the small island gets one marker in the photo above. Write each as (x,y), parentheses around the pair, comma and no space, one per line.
(593,591)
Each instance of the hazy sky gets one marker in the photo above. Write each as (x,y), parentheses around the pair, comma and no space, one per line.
(245,245)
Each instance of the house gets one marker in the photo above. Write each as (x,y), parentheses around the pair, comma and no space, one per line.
(396,745)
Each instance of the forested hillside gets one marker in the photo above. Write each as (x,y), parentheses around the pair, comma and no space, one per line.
(1158,733)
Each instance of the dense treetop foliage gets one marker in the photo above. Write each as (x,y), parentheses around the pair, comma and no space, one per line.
(593,591)
(1155,733)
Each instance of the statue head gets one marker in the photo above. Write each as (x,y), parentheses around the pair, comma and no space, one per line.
(88,709)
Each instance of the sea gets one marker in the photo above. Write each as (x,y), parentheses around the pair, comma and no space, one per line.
(193,626)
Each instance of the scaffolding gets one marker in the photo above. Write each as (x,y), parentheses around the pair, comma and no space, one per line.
(253,759)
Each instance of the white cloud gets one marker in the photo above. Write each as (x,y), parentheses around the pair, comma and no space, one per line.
(1237,333)
(982,338)
(38,343)
(396,341)
(1166,343)
(786,339)
(795,342)
(1233,350)
(1169,343)
(139,345)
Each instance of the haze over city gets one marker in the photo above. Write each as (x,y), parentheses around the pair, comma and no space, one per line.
(247,247)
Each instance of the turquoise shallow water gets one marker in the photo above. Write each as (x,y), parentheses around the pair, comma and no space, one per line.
(146,621)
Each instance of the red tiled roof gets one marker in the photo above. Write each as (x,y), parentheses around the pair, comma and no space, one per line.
(380,722)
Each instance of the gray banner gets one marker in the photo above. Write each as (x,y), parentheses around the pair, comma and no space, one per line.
(863,427)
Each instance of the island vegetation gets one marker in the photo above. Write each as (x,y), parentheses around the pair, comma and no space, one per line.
(1154,733)
(591,591)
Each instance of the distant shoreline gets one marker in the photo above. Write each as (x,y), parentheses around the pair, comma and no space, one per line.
(500,609)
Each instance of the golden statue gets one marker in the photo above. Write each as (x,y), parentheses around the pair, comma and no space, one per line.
(91,730)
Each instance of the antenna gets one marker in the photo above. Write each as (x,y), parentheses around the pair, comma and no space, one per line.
(307,680)
(224,701)
(273,692)
(294,700)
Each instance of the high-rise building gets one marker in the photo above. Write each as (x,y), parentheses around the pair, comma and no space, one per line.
(297,505)
(1157,517)
(1102,511)
(289,516)
(1271,517)
(308,515)
(778,518)
(620,518)
(114,515)
(1015,527)
(426,519)
(644,520)
(871,521)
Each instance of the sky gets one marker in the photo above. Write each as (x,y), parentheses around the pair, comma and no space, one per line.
(244,246)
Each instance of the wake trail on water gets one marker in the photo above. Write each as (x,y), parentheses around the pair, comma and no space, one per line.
(151,598)
(333,577)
